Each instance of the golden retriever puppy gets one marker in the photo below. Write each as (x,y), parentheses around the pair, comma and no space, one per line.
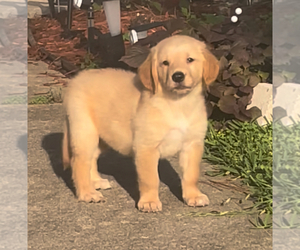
(151,115)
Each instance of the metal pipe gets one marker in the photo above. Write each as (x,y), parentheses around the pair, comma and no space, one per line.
(69,17)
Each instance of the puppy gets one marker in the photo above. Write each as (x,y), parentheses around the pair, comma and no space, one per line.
(151,115)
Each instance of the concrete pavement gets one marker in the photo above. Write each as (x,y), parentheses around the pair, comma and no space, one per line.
(57,221)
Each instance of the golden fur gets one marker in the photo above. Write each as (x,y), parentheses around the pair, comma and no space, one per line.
(148,116)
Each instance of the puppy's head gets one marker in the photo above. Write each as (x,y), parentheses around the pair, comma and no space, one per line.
(177,65)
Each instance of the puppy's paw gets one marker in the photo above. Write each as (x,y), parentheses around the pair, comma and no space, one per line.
(150,206)
(200,200)
(91,197)
(101,184)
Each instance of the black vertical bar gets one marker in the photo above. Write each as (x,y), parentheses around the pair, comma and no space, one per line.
(69,17)
(52,8)
(91,41)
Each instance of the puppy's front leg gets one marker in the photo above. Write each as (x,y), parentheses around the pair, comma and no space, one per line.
(146,161)
(190,158)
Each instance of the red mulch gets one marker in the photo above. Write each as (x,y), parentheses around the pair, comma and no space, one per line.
(47,32)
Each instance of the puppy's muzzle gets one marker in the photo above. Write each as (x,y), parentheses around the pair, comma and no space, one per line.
(178,77)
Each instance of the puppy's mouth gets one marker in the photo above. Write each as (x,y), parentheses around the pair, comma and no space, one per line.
(179,87)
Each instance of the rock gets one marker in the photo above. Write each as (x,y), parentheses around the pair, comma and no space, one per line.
(262,98)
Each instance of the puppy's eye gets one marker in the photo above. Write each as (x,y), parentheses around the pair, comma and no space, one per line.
(189,60)
(165,63)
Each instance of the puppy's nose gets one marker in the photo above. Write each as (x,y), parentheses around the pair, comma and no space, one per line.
(178,77)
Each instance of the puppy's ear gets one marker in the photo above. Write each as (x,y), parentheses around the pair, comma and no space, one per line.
(148,73)
(210,67)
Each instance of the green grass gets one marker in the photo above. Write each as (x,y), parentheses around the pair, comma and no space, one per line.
(286,174)
(18,99)
(41,99)
(244,150)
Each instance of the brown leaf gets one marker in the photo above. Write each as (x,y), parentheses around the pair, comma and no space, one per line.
(209,109)
(220,53)
(278,113)
(245,65)
(217,89)
(268,51)
(230,32)
(230,91)
(224,47)
(226,75)
(256,60)
(242,42)
(278,80)
(237,49)
(256,51)
(241,56)
(235,68)
(205,33)
(253,80)
(237,81)
(246,90)
(216,28)
(135,56)
(215,37)
(228,104)
(243,102)
(223,63)
(255,112)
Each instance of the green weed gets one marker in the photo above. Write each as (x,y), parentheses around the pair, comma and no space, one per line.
(244,150)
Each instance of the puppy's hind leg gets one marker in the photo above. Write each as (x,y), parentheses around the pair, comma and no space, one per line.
(84,143)
(97,181)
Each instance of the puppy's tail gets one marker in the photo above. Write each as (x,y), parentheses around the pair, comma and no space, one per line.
(66,146)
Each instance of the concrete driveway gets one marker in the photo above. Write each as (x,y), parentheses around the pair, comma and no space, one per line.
(57,221)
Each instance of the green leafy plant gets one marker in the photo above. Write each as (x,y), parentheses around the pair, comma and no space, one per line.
(244,150)
(186,12)
(286,174)
(212,19)
(97,7)
(245,61)
(126,36)
(89,63)
(156,5)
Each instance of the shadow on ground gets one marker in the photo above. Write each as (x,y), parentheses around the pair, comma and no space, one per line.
(112,164)
(22,143)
